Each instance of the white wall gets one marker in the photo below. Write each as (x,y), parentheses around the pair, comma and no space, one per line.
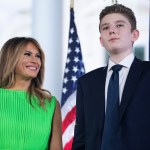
(47,29)
(15,19)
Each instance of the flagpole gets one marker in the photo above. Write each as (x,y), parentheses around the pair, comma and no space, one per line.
(71,3)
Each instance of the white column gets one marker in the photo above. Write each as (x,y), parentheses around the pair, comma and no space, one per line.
(47,29)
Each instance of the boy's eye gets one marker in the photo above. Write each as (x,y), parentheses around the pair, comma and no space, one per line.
(105,28)
(119,25)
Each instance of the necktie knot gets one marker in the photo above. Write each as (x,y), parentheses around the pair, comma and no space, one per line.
(116,67)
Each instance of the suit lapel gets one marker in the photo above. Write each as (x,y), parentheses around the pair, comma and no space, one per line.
(131,82)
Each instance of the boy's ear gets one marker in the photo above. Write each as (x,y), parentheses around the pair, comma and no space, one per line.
(135,35)
(101,41)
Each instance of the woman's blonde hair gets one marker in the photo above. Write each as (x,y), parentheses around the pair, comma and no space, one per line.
(9,56)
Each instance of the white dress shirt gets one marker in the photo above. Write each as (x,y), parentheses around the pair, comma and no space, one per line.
(123,73)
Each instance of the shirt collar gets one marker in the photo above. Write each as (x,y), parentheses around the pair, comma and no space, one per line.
(126,62)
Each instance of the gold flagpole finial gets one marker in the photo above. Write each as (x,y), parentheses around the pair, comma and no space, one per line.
(114,1)
(71,3)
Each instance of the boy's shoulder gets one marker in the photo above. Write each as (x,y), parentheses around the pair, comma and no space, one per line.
(94,73)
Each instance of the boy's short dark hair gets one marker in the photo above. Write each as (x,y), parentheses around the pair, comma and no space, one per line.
(121,9)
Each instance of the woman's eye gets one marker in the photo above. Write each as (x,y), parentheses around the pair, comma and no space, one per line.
(38,56)
(27,54)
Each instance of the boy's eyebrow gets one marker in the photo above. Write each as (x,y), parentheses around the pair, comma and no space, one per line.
(104,24)
(118,21)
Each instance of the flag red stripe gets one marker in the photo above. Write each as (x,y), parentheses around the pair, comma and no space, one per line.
(70,117)
(68,145)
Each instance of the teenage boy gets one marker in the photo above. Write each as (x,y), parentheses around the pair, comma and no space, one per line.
(113,102)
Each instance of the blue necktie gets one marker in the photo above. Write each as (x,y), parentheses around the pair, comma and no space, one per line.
(111,117)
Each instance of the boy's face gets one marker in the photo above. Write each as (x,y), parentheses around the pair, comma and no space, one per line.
(116,36)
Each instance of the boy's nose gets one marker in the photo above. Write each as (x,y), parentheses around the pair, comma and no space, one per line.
(112,30)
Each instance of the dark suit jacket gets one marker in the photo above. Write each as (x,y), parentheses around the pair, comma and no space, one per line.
(134,111)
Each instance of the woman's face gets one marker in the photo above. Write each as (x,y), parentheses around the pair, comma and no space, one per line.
(29,63)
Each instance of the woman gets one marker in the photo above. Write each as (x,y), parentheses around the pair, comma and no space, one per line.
(30,118)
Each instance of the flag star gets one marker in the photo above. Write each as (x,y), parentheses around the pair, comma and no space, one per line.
(74,78)
(68,60)
(69,50)
(72,30)
(77,50)
(77,40)
(66,70)
(75,68)
(70,40)
(76,59)
(64,90)
(65,80)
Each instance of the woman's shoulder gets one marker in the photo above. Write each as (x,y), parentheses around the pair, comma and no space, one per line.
(54,101)
(53,105)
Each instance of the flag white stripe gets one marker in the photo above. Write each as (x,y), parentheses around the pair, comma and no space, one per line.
(68,134)
(70,103)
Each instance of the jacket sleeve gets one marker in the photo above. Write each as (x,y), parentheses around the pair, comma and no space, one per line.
(79,133)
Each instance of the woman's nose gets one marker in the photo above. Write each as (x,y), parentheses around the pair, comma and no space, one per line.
(34,59)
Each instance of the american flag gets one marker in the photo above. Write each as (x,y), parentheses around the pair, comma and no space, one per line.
(73,70)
